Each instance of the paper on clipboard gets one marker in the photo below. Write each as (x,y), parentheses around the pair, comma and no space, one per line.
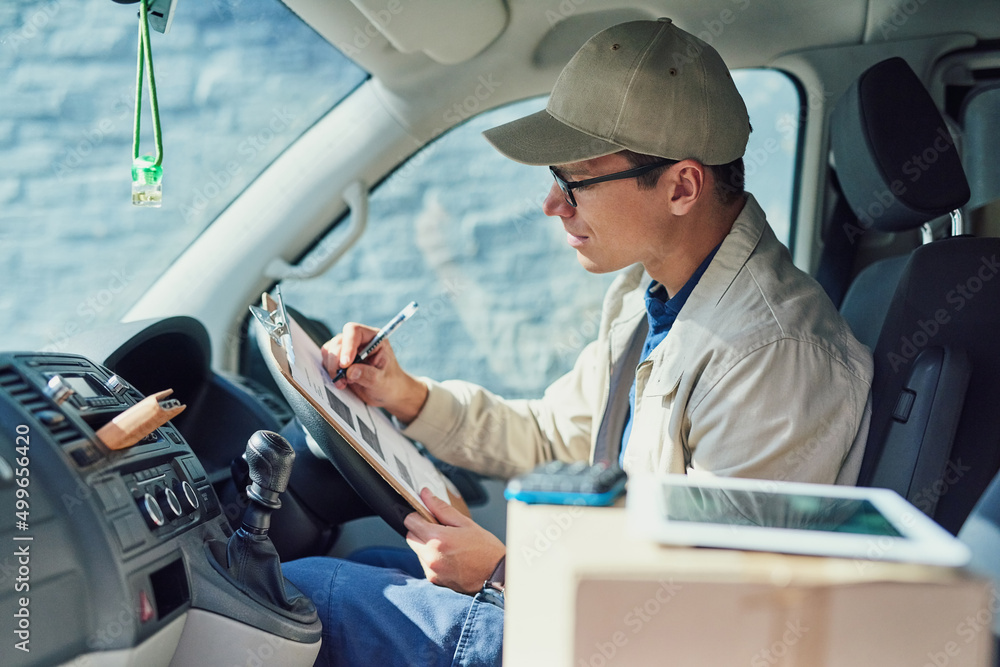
(366,429)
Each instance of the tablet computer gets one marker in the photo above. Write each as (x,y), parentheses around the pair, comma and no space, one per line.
(787,517)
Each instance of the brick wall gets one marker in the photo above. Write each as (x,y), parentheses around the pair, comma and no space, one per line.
(458,229)
(237,81)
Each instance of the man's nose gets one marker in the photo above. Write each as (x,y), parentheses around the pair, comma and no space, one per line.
(555,203)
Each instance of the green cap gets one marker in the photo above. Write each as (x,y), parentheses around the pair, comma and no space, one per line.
(646,86)
(145,171)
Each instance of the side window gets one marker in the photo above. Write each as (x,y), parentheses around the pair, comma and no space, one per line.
(503,301)
(459,229)
(774,105)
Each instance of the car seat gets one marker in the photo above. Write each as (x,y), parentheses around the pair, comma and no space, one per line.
(935,428)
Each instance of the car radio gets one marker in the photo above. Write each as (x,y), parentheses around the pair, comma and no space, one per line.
(86,391)
(147,492)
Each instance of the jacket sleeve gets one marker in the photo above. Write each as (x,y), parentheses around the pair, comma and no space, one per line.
(468,426)
(787,411)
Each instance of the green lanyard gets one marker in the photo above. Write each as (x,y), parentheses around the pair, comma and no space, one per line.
(147,174)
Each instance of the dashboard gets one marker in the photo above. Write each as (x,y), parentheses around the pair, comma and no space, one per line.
(108,550)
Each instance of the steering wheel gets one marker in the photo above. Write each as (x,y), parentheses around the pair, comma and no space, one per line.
(384,500)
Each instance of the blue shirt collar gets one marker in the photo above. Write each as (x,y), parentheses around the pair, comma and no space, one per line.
(662,311)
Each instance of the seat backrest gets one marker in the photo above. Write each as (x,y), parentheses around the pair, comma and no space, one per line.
(867,299)
(936,352)
(933,437)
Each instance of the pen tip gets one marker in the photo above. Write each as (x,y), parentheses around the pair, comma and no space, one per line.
(410,309)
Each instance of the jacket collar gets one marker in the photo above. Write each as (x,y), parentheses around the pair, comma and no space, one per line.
(733,254)
(672,355)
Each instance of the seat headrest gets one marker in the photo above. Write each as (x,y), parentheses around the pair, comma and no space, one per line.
(895,158)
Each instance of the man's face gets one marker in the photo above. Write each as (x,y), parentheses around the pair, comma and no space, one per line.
(614,224)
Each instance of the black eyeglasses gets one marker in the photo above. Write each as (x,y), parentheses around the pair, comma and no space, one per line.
(568,186)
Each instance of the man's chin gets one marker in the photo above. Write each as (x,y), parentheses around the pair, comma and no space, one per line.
(593,266)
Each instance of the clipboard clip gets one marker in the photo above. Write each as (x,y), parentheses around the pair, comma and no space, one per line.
(276,323)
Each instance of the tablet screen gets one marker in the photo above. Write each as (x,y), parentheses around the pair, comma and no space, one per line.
(740,507)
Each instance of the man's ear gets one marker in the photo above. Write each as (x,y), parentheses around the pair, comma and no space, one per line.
(689,182)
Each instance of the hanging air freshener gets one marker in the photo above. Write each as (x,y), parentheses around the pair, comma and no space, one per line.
(147,172)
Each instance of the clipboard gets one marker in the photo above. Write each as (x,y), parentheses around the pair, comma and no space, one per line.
(368,431)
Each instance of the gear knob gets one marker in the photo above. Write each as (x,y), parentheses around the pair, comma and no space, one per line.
(269,457)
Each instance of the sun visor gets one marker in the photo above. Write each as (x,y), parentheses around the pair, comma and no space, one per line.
(448,31)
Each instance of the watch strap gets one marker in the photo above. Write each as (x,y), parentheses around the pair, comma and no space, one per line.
(496,580)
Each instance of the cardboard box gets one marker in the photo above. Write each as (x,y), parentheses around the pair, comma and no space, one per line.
(581,592)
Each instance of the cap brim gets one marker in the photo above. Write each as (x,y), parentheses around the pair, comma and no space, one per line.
(540,139)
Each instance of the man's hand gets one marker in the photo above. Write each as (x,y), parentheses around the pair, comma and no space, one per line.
(459,553)
(379,381)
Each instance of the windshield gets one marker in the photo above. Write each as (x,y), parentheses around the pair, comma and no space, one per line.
(237,82)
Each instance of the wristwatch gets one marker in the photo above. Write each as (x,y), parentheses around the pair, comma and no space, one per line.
(496,580)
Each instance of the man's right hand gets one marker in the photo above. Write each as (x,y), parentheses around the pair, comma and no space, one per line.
(379,380)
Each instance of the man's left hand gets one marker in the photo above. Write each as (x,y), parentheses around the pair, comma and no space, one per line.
(457,553)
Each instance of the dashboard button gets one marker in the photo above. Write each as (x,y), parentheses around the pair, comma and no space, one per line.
(190,497)
(51,417)
(58,389)
(84,456)
(113,494)
(151,511)
(193,468)
(116,385)
(173,502)
(130,531)
(146,611)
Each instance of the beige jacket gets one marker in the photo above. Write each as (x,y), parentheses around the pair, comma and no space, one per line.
(759,377)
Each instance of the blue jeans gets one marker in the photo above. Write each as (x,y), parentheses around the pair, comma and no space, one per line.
(383,612)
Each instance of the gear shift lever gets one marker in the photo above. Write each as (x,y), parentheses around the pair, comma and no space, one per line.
(250,560)
(270,458)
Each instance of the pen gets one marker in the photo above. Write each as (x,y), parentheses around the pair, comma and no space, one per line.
(382,334)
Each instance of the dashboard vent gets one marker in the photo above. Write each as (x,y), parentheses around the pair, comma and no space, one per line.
(59,427)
